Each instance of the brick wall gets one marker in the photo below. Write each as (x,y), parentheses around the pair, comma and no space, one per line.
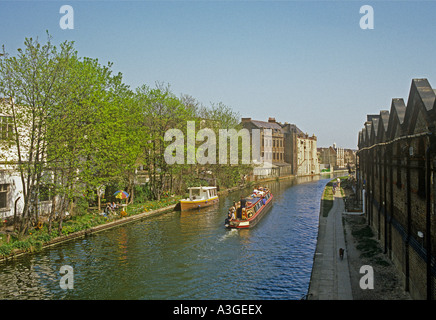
(393,167)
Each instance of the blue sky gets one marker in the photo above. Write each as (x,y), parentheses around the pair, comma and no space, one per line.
(304,62)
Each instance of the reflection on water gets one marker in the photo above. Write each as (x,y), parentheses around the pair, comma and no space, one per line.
(184,255)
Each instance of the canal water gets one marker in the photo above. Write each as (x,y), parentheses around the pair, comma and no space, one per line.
(184,255)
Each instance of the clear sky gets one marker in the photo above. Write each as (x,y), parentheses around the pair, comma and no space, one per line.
(304,62)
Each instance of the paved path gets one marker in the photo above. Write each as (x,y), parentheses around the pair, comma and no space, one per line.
(330,275)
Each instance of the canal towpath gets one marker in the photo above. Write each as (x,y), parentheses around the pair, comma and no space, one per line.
(330,279)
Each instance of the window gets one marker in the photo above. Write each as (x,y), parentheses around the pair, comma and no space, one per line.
(195,192)
(44,193)
(4,189)
(6,127)
(45,187)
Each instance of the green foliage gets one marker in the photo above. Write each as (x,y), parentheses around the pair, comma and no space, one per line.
(5,250)
(35,239)
(83,129)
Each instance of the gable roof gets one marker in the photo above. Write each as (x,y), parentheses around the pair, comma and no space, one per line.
(421,101)
(266,125)
(418,116)
(383,126)
(396,116)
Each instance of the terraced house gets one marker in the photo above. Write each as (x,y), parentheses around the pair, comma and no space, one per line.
(291,151)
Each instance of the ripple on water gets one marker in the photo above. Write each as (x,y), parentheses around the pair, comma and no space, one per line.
(183,256)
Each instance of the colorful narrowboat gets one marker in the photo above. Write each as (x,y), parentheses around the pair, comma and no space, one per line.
(250,210)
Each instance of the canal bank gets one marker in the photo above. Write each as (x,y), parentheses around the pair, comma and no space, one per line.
(184,255)
(336,279)
(330,278)
(125,220)
(89,231)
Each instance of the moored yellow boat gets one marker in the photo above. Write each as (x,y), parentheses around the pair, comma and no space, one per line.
(199,197)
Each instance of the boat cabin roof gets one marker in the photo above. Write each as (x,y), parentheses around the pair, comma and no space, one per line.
(204,188)
(253,201)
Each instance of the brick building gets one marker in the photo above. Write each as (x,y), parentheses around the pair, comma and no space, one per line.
(300,150)
(336,157)
(275,151)
(396,167)
(272,149)
(291,150)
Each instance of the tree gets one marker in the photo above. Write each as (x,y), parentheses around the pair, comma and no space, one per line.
(75,125)
(94,138)
(161,111)
(221,117)
(31,81)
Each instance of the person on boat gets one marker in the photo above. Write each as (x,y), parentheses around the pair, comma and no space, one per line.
(232,214)
(239,208)
(228,219)
(243,202)
(239,211)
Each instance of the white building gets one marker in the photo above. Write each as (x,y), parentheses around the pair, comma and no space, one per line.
(11,184)
(307,157)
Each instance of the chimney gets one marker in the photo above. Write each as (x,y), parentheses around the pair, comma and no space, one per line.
(245,119)
(271,119)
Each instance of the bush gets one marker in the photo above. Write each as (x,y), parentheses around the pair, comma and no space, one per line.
(23,245)
(81,206)
(5,250)
(36,238)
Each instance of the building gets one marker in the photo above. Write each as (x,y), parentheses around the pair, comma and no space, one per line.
(291,151)
(11,181)
(327,157)
(300,150)
(350,158)
(336,157)
(395,175)
(271,150)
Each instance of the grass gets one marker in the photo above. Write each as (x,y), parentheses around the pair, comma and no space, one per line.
(35,239)
(327,199)
(366,244)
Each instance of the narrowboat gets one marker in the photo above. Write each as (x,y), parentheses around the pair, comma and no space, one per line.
(199,197)
(248,212)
